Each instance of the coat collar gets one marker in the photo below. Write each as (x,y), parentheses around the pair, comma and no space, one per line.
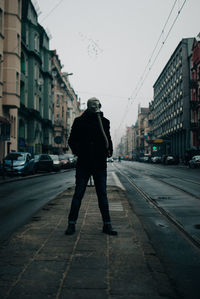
(90,115)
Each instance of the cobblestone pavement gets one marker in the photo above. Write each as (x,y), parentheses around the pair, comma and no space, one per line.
(39,261)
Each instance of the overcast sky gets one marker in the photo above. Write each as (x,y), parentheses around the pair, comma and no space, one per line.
(109,46)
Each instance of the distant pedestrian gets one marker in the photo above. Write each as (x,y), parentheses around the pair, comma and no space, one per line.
(91,142)
(119,159)
(187,158)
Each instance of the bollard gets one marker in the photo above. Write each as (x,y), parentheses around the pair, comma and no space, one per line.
(90,182)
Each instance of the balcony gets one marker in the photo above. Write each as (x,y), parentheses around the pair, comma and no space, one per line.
(11,100)
(35,114)
(47,123)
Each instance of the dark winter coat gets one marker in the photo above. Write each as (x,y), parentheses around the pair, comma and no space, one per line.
(87,141)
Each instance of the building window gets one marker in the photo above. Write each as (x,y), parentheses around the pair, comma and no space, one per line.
(27,36)
(23,64)
(36,42)
(36,72)
(0,67)
(17,83)
(57,101)
(40,106)
(49,88)
(18,44)
(18,8)
(49,66)
(35,102)
(1,21)
(14,127)
(68,114)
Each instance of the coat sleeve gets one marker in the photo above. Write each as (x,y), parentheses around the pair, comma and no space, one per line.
(107,131)
(73,140)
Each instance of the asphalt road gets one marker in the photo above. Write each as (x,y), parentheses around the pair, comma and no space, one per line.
(20,200)
(171,218)
(165,198)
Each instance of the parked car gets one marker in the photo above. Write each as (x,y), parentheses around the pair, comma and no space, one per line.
(56,162)
(156,159)
(68,160)
(72,160)
(194,162)
(43,162)
(110,160)
(18,163)
(141,159)
(145,158)
(65,163)
(171,160)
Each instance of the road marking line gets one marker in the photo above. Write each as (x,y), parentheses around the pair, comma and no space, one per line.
(117,181)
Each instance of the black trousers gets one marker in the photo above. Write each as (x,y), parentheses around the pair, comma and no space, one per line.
(82,177)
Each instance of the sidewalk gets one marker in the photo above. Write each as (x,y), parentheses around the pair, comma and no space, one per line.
(40,261)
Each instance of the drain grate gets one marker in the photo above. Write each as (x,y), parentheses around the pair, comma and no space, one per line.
(163,197)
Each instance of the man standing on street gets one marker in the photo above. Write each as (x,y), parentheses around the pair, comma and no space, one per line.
(91,142)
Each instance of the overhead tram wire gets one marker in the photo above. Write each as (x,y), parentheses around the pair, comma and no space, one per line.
(142,80)
(150,67)
(52,10)
(149,61)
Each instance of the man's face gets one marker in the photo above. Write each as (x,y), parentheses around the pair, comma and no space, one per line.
(94,106)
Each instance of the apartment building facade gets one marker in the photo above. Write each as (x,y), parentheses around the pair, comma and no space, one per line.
(29,118)
(10,52)
(73,103)
(66,106)
(59,94)
(195,98)
(142,145)
(135,142)
(35,120)
(129,133)
(171,103)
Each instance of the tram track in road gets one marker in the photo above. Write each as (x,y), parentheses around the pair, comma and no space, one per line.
(176,187)
(167,216)
(171,184)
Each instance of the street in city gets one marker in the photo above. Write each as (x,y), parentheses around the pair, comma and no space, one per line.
(155,208)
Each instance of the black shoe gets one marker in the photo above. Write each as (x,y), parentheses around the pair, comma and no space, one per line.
(70,230)
(107,229)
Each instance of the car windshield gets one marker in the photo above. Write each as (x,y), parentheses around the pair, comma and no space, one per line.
(54,157)
(65,157)
(15,157)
